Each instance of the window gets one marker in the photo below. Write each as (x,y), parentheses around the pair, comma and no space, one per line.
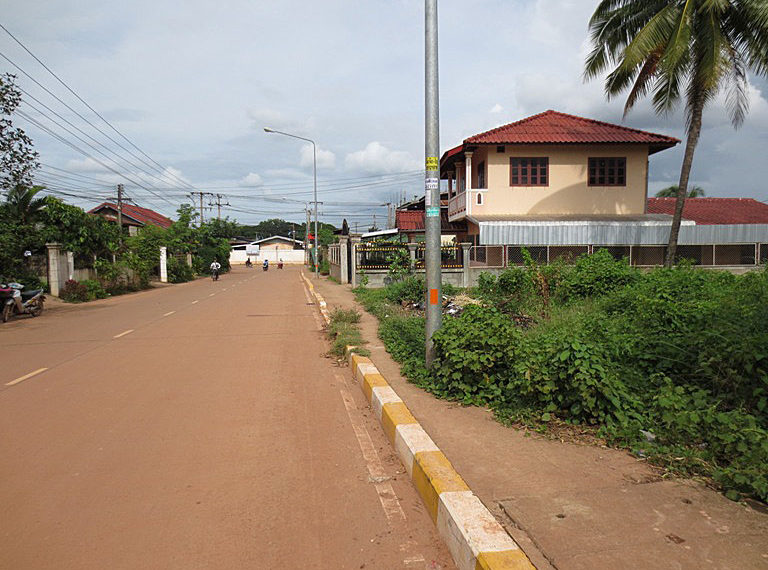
(529,171)
(481,175)
(607,171)
(479,199)
(500,149)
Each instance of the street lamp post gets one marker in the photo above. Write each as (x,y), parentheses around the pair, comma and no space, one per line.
(314,170)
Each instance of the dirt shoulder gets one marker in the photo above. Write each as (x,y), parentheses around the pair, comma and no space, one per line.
(573,506)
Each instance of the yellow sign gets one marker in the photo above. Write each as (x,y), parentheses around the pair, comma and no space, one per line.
(432,163)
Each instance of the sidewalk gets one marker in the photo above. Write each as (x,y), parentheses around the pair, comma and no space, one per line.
(574,507)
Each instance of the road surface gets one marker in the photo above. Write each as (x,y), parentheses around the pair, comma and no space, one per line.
(196,426)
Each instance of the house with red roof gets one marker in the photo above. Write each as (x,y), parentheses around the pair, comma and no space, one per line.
(560,185)
(133,217)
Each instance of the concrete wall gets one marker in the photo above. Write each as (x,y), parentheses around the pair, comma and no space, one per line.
(378,278)
(568,191)
(289,256)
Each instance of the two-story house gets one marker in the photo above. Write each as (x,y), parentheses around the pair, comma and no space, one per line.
(563,185)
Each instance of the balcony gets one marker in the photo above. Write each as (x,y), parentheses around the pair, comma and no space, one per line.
(457,207)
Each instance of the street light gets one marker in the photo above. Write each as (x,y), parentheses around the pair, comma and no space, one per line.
(314,168)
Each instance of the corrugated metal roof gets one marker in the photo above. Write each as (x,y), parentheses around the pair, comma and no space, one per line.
(709,211)
(616,233)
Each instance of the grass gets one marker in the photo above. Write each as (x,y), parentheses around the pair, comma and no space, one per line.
(344,331)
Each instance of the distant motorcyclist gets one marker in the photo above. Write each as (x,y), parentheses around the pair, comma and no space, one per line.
(266,264)
(215,267)
(248,263)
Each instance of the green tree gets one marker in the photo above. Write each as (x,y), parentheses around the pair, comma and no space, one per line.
(680,49)
(671,192)
(22,204)
(76,230)
(18,160)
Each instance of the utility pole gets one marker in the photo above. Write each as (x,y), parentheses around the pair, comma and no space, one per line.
(120,214)
(218,204)
(200,195)
(306,237)
(432,259)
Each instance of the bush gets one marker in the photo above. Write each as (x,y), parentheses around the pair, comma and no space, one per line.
(594,275)
(410,289)
(179,271)
(473,354)
(94,289)
(74,292)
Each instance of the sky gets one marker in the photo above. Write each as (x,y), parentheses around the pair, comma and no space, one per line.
(192,85)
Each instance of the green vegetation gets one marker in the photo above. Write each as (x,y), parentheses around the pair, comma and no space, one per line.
(671,364)
(343,331)
(689,51)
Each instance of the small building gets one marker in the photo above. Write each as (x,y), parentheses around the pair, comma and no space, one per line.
(133,217)
(560,185)
(274,248)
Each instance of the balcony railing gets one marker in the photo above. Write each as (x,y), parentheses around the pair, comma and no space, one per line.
(457,205)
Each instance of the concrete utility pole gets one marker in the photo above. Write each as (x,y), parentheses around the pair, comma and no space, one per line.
(218,204)
(120,214)
(306,238)
(432,259)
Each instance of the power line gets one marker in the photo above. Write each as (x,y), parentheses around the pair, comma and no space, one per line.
(78,149)
(102,145)
(94,111)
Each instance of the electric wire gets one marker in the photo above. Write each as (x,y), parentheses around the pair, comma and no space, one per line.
(94,111)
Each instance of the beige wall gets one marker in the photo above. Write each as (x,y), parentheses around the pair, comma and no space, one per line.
(568,192)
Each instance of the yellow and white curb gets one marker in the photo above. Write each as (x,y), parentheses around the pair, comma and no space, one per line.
(475,538)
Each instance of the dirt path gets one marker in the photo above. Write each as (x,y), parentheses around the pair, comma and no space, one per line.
(576,507)
(196,426)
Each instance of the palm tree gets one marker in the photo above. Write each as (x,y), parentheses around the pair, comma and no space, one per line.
(22,204)
(671,192)
(680,49)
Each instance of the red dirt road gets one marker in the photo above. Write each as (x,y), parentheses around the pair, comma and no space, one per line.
(212,435)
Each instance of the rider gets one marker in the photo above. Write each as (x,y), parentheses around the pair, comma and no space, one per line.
(248,262)
(266,263)
(215,266)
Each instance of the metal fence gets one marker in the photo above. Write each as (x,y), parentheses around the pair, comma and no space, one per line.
(487,256)
(451,257)
(375,256)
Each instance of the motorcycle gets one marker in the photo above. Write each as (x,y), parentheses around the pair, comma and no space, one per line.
(265,267)
(280,264)
(15,301)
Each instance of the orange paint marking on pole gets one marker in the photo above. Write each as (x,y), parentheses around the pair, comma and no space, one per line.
(433,300)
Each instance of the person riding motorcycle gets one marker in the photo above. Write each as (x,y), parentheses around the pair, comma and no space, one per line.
(215,266)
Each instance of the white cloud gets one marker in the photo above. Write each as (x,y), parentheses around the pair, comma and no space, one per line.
(252,179)
(375,158)
(496,109)
(326,159)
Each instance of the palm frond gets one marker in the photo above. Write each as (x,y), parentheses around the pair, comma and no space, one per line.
(645,78)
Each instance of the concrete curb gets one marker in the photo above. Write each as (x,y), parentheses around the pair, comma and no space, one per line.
(474,537)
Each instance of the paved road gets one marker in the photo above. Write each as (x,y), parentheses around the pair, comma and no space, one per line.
(196,426)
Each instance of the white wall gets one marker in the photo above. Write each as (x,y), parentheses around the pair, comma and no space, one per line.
(289,256)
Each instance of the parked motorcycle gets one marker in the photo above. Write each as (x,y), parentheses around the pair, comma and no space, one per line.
(15,301)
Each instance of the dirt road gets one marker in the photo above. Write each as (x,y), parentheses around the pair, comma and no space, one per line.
(196,426)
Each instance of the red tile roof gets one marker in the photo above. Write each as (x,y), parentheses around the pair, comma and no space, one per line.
(552,127)
(708,211)
(413,221)
(142,215)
